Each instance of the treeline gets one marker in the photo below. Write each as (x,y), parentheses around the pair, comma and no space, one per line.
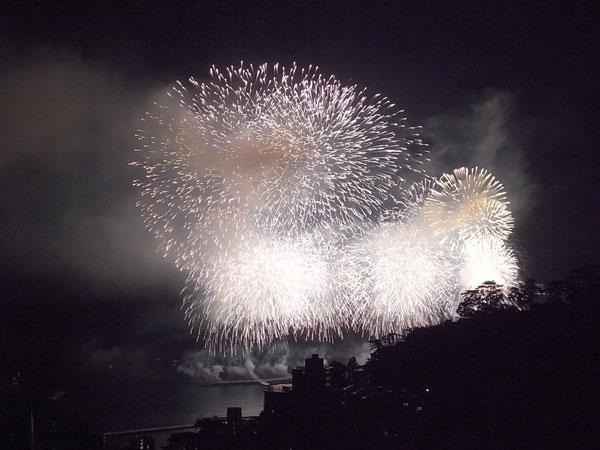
(520,370)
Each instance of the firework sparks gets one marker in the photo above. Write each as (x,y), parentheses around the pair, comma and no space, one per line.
(288,146)
(261,185)
(240,168)
(468,204)
(261,290)
(489,260)
(398,279)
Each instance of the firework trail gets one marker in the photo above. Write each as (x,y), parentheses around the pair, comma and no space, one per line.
(408,202)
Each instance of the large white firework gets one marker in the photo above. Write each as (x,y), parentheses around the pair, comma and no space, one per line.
(263,289)
(240,168)
(468,204)
(398,278)
(289,148)
(284,195)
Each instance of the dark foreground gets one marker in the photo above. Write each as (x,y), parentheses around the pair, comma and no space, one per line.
(519,371)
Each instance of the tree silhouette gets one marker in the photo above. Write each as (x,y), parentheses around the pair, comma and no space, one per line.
(388,340)
(486,298)
(525,295)
(582,287)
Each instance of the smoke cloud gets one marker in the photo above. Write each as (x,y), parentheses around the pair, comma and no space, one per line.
(277,362)
(67,130)
(484,134)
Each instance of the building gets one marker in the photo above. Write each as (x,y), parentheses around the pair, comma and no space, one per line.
(141,443)
(277,399)
(234,421)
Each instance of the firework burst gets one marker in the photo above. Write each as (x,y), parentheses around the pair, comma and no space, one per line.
(241,168)
(468,204)
(290,147)
(263,289)
(271,188)
(488,260)
(398,279)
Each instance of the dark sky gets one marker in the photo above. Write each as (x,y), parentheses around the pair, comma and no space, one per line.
(513,88)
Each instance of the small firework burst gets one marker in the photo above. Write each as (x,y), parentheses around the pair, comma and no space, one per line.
(468,204)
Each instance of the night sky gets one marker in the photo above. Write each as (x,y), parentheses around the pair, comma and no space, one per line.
(512,88)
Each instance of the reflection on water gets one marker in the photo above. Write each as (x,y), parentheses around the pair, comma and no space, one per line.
(174,404)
